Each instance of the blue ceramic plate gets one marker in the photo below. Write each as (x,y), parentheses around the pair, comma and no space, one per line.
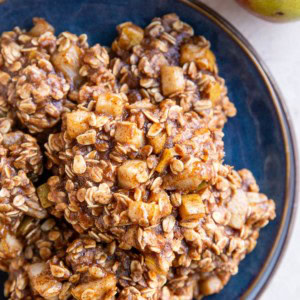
(258,138)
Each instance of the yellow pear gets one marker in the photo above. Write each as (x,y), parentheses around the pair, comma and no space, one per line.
(274,10)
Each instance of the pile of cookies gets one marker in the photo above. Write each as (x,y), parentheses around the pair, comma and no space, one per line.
(112,182)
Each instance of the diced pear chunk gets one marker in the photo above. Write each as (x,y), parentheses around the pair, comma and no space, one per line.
(238,207)
(167,155)
(127,132)
(40,27)
(162,199)
(10,245)
(208,62)
(68,62)
(189,179)
(42,280)
(130,35)
(158,142)
(132,173)
(159,206)
(155,265)
(95,290)
(110,104)
(77,122)
(172,80)
(204,58)
(213,91)
(210,285)
(191,52)
(138,211)
(43,191)
(192,207)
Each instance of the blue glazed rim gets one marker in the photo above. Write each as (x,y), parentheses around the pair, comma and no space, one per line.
(274,258)
(259,283)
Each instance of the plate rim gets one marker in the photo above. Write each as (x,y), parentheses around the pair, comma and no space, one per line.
(260,283)
(291,198)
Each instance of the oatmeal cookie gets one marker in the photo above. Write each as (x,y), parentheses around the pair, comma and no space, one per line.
(119,165)
(37,71)
(20,165)
(143,206)
(166,60)
(57,263)
(214,245)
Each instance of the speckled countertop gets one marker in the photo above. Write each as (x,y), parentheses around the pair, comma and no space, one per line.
(278,45)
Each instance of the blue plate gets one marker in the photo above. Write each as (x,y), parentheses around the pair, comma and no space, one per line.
(258,138)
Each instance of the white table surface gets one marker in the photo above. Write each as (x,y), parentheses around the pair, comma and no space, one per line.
(278,45)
